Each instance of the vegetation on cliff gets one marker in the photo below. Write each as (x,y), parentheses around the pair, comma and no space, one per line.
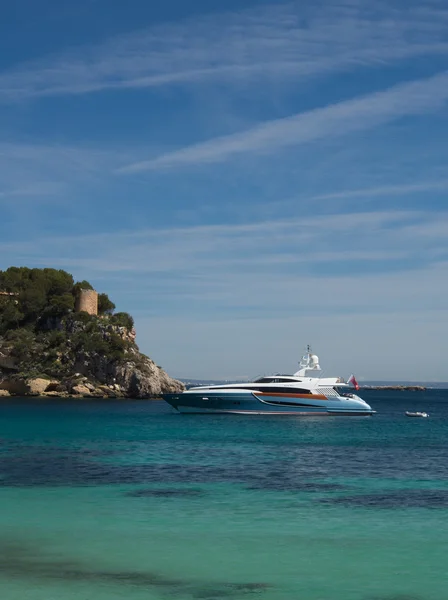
(43,336)
(35,294)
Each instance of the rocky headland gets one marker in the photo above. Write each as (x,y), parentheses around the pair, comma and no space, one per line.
(53,345)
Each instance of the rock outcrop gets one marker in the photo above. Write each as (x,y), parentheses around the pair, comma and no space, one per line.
(7,362)
(144,379)
(80,370)
(58,337)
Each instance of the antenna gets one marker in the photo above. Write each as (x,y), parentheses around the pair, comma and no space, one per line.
(308,362)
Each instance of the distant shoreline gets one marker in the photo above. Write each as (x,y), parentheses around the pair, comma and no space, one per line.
(397,388)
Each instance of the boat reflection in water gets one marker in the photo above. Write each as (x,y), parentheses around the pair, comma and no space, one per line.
(303,394)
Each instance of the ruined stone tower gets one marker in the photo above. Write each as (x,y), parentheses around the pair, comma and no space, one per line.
(87,301)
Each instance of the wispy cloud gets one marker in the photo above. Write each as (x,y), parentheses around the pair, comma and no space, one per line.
(412,98)
(42,169)
(77,157)
(280,41)
(373,268)
(205,253)
(386,190)
(36,188)
(296,280)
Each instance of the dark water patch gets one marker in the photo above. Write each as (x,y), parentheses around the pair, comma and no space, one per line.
(321,462)
(63,467)
(284,484)
(263,454)
(298,471)
(165,493)
(395,597)
(72,468)
(228,590)
(22,449)
(45,468)
(19,561)
(399,499)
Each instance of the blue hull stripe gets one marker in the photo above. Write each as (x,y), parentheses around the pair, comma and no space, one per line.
(208,401)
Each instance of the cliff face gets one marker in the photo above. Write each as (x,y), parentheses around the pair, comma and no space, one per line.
(81,357)
(136,376)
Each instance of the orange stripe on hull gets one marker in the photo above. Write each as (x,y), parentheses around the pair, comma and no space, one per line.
(285,395)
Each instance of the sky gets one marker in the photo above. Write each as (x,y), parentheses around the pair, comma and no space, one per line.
(245,177)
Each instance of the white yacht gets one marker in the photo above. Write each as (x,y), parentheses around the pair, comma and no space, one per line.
(303,394)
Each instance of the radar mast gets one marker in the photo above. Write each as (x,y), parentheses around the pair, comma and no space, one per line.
(308,362)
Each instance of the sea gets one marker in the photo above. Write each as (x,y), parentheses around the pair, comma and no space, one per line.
(128,500)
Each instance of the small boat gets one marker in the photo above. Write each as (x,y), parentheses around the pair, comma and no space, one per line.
(297,394)
(416,414)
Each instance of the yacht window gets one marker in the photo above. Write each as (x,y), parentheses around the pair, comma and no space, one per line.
(344,391)
(279,390)
(276,380)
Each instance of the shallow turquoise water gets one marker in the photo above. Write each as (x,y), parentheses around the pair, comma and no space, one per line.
(129,500)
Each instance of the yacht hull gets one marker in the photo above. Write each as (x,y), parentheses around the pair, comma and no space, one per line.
(246,403)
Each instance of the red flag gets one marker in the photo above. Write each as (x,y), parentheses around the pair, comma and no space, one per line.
(353,381)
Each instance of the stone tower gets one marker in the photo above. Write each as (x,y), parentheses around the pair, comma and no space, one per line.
(87,301)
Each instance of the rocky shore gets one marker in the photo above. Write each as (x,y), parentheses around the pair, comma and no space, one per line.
(138,385)
(140,378)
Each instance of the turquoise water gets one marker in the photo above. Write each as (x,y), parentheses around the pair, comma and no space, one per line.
(128,500)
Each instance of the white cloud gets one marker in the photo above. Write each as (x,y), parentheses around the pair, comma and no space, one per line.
(263,290)
(215,246)
(259,290)
(237,257)
(349,116)
(284,41)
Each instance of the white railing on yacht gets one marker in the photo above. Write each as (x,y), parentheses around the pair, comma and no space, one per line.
(328,391)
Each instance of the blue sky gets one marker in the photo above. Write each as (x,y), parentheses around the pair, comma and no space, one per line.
(244,177)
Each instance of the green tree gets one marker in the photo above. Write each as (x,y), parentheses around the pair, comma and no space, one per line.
(61,305)
(41,329)
(123,319)
(105,305)
(32,301)
(25,349)
(81,285)
(10,315)
(14,279)
(83,317)
(58,282)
